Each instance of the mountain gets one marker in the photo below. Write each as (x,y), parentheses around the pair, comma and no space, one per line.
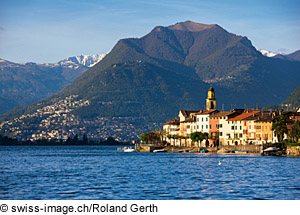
(292,102)
(145,81)
(294,98)
(267,53)
(295,55)
(84,60)
(23,84)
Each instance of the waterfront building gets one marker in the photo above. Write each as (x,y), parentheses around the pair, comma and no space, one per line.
(219,127)
(187,125)
(214,133)
(264,133)
(203,120)
(171,129)
(225,125)
(249,134)
(239,129)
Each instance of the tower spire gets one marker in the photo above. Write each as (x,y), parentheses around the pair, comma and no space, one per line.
(211,100)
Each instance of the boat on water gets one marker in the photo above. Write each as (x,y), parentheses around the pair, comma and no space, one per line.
(204,151)
(240,152)
(126,149)
(159,150)
(273,151)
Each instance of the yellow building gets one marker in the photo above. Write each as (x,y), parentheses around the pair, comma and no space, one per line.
(263,125)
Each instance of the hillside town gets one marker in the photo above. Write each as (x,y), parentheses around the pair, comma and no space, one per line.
(235,127)
(56,121)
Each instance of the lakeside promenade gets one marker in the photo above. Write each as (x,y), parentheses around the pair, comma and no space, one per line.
(292,151)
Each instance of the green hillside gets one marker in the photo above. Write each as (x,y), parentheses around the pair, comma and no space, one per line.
(294,98)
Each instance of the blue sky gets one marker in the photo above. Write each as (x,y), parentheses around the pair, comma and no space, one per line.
(50,30)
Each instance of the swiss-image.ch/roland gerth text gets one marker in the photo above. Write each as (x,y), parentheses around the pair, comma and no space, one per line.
(89,208)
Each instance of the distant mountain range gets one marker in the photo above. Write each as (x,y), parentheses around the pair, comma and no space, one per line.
(295,56)
(23,84)
(267,53)
(83,60)
(171,68)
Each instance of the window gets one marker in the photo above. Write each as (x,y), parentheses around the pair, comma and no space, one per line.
(202,119)
(235,127)
(220,125)
(197,119)
(210,126)
(221,134)
(197,126)
(249,126)
(206,126)
(232,127)
(206,119)
(202,126)
(240,127)
(241,135)
(188,126)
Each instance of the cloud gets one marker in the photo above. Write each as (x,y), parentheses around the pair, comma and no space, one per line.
(2,29)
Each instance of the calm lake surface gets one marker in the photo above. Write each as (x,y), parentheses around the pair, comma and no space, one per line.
(100,172)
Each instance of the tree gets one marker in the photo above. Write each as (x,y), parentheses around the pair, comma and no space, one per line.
(85,139)
(149,137)
(279,127)
(197,137)
(161,133)
(205,135)
(295,131)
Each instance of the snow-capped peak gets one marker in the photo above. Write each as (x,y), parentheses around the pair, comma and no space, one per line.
(85,60)
(267,53)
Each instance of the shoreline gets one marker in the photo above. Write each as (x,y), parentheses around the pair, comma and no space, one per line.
(291,151)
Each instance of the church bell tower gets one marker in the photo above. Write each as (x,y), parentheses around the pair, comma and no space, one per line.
(211,100)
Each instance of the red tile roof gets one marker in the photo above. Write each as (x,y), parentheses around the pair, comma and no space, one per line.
(243,116)
(205,112)
(173,122)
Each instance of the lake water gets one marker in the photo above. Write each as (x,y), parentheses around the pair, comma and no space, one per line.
(100,172)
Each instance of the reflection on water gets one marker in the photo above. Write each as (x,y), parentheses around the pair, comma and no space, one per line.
(100,172)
